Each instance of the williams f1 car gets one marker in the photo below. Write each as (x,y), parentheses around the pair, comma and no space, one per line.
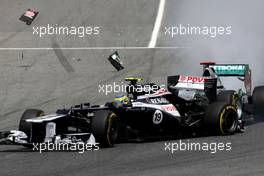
(188,104)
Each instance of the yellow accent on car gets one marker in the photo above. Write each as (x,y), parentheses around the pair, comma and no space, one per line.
(41,114)
(133,79)
(221,117)
(109,127)
(221,121)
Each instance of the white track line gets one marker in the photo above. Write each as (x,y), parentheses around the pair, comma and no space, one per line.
(156,28)
(93,48)
(152,43)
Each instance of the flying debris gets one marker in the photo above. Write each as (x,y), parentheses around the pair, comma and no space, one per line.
(114,59)
(29,16)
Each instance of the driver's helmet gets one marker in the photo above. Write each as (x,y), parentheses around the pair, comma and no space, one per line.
(121,100)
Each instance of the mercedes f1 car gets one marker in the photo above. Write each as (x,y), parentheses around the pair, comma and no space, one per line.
(246,102)
(189,104)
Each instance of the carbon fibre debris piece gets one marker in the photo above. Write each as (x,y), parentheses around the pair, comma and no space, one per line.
(29,16)
(114,59)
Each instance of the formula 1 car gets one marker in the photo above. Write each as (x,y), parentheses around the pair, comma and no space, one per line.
(247,103)
(146,111)
(29,16)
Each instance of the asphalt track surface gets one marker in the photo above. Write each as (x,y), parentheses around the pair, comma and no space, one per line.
(50,79)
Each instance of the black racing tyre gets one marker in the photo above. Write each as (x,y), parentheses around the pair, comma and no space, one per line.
(221,118)
(231,97)
(226,96)
(28,114)
(105,127)
(258,100)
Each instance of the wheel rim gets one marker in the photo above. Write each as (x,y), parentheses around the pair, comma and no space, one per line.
(239,109)
(112,129)
(229,122)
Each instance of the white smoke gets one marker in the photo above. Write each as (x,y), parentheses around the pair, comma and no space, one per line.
(244,45)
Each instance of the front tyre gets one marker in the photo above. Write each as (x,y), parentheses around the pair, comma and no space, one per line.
(221,118)
(25,126)
(105,127)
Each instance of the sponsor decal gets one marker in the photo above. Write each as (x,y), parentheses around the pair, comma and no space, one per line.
(158,101)
(192,79)
(169,108)
(161,91)
(229,69)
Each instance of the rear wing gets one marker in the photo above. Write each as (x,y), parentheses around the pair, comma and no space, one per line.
(242,71)
(239,70)
(208,85)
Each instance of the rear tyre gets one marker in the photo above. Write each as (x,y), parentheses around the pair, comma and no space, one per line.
(28,114)
(105,127)
(230,97)
(221,118)
(226,96)
(258,100)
